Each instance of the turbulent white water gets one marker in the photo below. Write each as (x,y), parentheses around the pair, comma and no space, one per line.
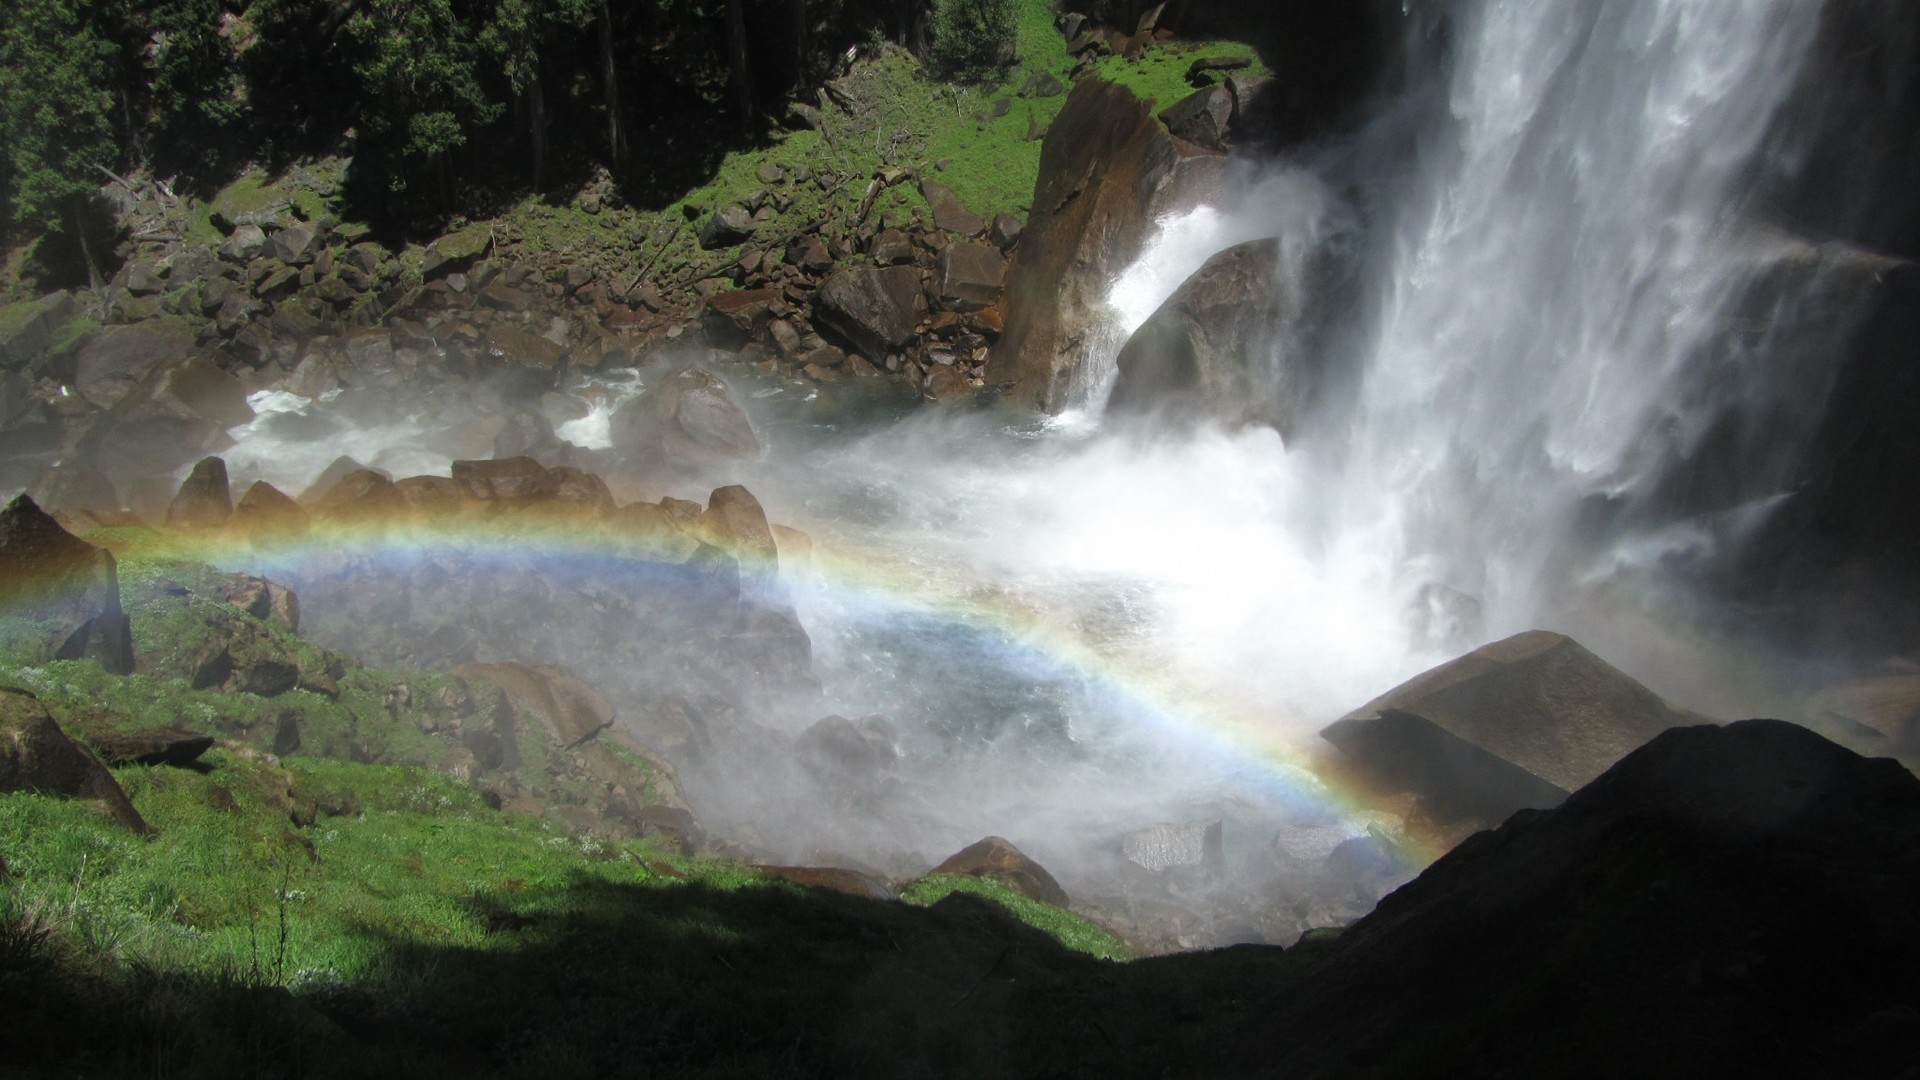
(1551,260)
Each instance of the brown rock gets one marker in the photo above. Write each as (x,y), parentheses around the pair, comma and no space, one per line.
(36,756)
(65,589)
(969,276)
(518,479)
(998,859)
(733,318)
(949,213)
(874,309)
(649,531)
(851,882)
(735,523)
(266,511)
(571,712)
(364,495)
(203,501)
(268,601)
(439,498)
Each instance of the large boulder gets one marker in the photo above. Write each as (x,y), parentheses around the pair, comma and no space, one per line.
(969,276)
(1201,117)
(1515,724)
(1725,901)
(731,224)
(735,523)
(59,591)
(688,416)
(569,709)
(874,308)
(737,316)
(1238,342)
(204,500)
(1108,169)
(36,756)
(998,859)
(32,328)
(949,213)
(120,358)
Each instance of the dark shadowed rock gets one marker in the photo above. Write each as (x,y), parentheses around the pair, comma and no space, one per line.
(203,500)
(1518,723)
(570,710)
(851,882)
(177,747)
(60,591)
(891,247)
(455,251)
(1238,343)
(1107,170)
(1201,117)
(969,276)
(998,859)
(687,416)
(36,756)
(1725,901)
(875,309)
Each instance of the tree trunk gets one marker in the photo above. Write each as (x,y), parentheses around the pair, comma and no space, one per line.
(797,13)
(537,131)
(737,59)
(610,85)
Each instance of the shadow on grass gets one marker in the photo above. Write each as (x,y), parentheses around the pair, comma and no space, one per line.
(600,979)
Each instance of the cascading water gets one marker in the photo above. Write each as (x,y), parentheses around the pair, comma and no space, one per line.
(1082,632)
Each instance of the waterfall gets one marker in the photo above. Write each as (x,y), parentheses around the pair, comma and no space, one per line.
(1581,359)
(1554,328)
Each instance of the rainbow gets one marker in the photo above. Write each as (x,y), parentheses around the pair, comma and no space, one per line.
(1244,737)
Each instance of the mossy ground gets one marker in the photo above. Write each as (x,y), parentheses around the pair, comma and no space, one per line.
(376,894)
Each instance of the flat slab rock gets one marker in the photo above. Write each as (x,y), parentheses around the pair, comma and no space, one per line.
(1520,722)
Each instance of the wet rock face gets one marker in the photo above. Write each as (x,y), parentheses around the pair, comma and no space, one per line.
(1107,170)
(35,755)
(1519,723)
(61,590)
(1230,345)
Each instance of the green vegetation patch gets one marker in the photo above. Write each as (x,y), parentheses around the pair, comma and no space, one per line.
(1064,926)
(1159,73)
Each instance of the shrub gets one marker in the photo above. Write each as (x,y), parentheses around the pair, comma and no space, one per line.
(973,38)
